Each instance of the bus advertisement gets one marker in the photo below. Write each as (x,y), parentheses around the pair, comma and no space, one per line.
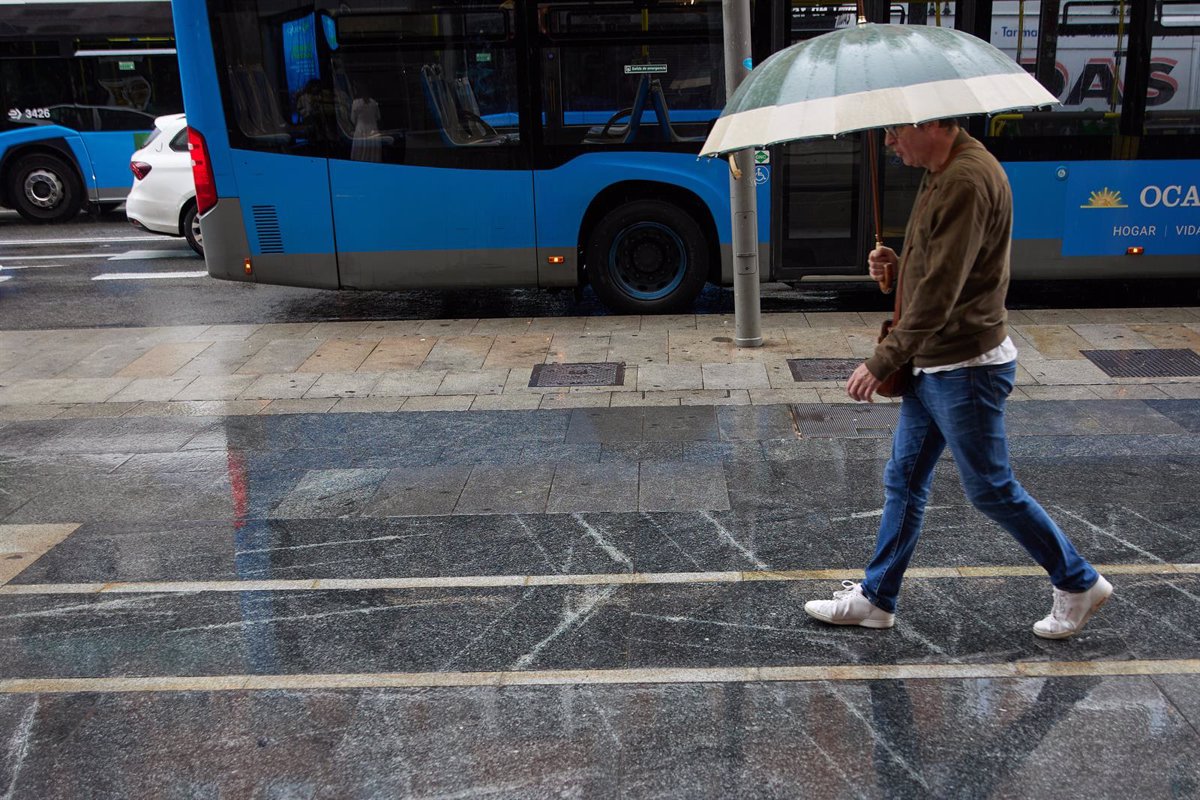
(81,84)
(391,144)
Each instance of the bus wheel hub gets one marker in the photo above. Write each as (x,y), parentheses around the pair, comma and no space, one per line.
(44,189)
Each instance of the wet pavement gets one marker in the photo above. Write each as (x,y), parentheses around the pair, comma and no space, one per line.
(368,559)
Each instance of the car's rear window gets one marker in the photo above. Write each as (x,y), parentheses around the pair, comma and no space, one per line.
(180,143)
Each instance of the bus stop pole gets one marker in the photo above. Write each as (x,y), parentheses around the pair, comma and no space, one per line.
(743,200)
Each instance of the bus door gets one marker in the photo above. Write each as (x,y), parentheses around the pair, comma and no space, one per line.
(430,183)
(822,223)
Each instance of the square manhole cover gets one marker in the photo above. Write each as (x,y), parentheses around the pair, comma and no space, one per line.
(1146,363)
(822,369)
(858,420)
(605,373)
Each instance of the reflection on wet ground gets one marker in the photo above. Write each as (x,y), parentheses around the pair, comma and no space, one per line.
(587,602)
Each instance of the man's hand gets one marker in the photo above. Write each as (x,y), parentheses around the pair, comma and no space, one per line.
(862,384)
(879,262)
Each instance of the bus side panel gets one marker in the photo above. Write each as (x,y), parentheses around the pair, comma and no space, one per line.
(564,194)
(110,153)
(406,226)
(287,218)
(1076,219)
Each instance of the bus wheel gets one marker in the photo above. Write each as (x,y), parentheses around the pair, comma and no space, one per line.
(647,257)
(44,189)
(190,225)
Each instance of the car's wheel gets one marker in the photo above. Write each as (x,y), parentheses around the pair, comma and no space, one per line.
(190,225)
(45,189)
(647,257)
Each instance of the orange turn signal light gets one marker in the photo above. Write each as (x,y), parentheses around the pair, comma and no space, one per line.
(248,267)
(1134,251)
(556,259)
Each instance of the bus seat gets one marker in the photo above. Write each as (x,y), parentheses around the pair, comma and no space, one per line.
(612,133)
(458,126)
(659,100)
(257,113)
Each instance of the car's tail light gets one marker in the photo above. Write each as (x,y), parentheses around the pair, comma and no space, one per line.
(202,172)
(140,169)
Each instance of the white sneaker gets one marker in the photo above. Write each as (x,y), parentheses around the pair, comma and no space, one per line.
(1071,610)
(850,607)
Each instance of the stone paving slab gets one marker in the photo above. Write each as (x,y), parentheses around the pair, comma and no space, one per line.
(708,625)
(461,364)
(870,740)
(429,542)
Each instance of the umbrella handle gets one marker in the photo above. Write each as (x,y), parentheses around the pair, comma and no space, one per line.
(888,282)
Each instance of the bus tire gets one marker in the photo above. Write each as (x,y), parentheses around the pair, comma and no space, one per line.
(647,257)
(189,225)
(45,189)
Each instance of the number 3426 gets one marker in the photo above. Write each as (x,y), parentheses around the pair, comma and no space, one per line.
(28,113)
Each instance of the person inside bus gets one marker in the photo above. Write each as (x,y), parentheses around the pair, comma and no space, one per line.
(951,335)
(367,144)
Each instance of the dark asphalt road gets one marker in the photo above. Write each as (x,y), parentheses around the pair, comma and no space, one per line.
(49,279)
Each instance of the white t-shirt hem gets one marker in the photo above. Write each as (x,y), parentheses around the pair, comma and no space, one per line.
(1003,353)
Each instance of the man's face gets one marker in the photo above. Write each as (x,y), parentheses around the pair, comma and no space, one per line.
(913,143)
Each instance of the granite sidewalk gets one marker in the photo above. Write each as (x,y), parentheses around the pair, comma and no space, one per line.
(459,365)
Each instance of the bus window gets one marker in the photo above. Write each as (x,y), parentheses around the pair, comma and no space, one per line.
(128,91)
(37,92)
(1083,64)
(630,73)
(1173,89)
(427,83)
(254,84)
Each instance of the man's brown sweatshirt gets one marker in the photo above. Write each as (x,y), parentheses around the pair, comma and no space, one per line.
(955,265)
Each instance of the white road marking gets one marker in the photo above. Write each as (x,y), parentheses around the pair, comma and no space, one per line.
(138,276)
(5,278)
(601,677)
(141,255)
(88,240)
(50,258)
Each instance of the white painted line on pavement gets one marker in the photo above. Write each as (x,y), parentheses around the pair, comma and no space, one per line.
(48,258)
(88,240)
(141,255)
(601,677)
(595,579)
(138,276)
(5,278)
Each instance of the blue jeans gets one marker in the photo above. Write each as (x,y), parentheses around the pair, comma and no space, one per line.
(962,408)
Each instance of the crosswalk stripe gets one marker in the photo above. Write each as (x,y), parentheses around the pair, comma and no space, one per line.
(604,579)
(595,677)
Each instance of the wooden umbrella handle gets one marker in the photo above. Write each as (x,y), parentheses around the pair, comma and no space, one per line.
(888,283)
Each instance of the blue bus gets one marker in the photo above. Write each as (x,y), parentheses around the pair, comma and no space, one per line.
(81,84)
(392,144)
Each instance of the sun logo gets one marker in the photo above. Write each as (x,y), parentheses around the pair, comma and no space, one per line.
(1105,198)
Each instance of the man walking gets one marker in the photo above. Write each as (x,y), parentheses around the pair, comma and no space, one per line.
(953,280)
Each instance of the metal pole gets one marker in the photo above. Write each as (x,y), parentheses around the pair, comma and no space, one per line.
(743,200)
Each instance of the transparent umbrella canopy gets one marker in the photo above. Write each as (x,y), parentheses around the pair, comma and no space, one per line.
(870,76)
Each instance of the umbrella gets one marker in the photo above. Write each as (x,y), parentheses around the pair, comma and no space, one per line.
(870,76)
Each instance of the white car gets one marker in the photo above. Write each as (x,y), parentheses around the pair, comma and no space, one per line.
(163,197)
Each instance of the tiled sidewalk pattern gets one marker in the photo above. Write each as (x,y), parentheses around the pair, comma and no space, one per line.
(458,365)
